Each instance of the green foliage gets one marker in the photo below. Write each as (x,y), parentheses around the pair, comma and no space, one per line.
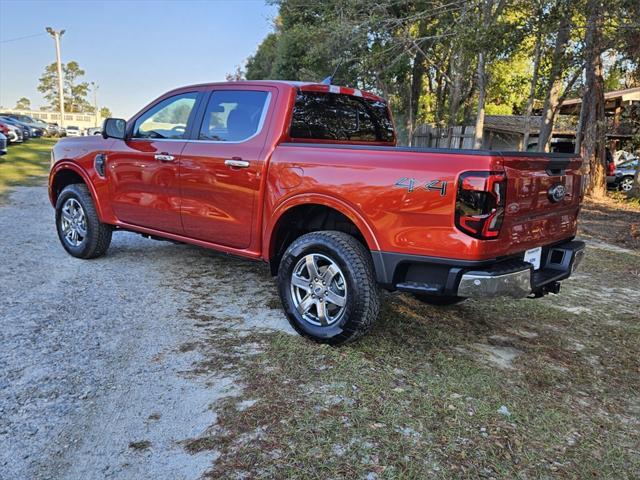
(105,112)
(23,104)
(74,92)
(422,55)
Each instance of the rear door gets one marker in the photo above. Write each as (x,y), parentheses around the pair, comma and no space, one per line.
(542,199)
(143,170)
(222,164)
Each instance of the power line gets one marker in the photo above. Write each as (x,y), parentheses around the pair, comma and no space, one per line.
(21,38)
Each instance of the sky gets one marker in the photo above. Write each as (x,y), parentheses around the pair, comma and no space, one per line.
(134,50)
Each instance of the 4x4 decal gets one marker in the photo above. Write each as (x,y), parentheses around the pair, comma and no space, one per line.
(411,184)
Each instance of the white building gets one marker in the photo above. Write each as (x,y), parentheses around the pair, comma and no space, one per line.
(82,120)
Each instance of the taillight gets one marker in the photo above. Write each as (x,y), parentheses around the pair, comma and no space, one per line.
(611,168)
(480,203)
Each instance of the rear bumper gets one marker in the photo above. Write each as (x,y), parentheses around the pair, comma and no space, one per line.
(488,278)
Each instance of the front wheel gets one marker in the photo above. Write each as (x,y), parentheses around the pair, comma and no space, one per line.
(327,287)
(79,229)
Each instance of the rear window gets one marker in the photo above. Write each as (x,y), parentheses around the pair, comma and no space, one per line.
(332,116)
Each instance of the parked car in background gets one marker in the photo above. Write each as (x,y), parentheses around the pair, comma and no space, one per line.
(26,131)
(622,156)
(57,130)
(48,131)
(13,133)
(38,128)
(94,131)
(623,175)
(73,131)
(3,144)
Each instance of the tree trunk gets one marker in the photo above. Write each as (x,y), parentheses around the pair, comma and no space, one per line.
(593,128)
(417,79)
(635,190)
(554,85)
(482,92)
(532,89)
(455,95)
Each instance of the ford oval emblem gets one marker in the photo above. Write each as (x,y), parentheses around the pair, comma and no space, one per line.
(557,193)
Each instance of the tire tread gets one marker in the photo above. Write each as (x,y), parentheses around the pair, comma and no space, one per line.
(359,260)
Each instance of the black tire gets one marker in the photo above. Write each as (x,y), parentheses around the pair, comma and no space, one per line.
(361,298)
(438,300)
(626,184)
(98,235)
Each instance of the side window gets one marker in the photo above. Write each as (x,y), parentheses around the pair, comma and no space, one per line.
(167,119)
(234,115)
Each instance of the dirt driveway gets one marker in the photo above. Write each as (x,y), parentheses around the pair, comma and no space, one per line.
(96,359)
(166,361)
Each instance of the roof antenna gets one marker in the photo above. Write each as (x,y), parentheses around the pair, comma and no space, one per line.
(329,79)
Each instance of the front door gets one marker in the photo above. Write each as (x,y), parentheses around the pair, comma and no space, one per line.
(143,170)
(220,169)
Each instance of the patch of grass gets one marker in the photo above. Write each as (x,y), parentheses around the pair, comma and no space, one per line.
(622,199)
(416,399)
(26,163)
(201,444)
(140,445)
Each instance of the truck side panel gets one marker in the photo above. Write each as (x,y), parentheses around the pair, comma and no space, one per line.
(408,197)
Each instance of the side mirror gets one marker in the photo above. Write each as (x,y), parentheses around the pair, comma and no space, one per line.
(114,128)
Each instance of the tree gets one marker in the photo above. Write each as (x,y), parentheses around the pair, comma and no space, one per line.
(554,85)
(260,65)
(538,12)
(23,104)
(592,112)
(490,12)
(105,112)
(75,92)
(237,75)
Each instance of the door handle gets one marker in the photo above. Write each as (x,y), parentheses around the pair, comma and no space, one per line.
(164,157)
(236,162)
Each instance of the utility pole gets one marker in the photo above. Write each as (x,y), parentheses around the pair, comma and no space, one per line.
(56,37)
(94,87)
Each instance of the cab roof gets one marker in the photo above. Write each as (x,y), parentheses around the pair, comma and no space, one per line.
(304,86)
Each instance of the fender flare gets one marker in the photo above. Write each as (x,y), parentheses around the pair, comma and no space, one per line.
(348,210)
(69,165)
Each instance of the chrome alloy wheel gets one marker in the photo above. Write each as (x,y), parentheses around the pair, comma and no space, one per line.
(626,184)
(319,290)
(73,222)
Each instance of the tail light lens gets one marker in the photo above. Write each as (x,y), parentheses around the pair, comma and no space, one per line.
(611,168)
(480,203)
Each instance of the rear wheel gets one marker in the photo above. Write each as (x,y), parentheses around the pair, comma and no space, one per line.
(79,229)
(439,300)
(327,287)
(626,184)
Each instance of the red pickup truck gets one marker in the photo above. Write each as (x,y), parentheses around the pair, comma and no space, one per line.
(308,178)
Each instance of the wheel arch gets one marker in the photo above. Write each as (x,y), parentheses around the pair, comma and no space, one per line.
(65,173)
(308,213)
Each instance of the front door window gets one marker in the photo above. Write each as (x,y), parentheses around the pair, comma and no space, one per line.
(166,120)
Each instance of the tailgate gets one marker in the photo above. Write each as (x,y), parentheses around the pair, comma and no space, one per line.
(543,198)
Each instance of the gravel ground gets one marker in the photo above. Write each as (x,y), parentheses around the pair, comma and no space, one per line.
(96,370)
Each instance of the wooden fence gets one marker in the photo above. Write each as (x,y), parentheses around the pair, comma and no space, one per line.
(443,137)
